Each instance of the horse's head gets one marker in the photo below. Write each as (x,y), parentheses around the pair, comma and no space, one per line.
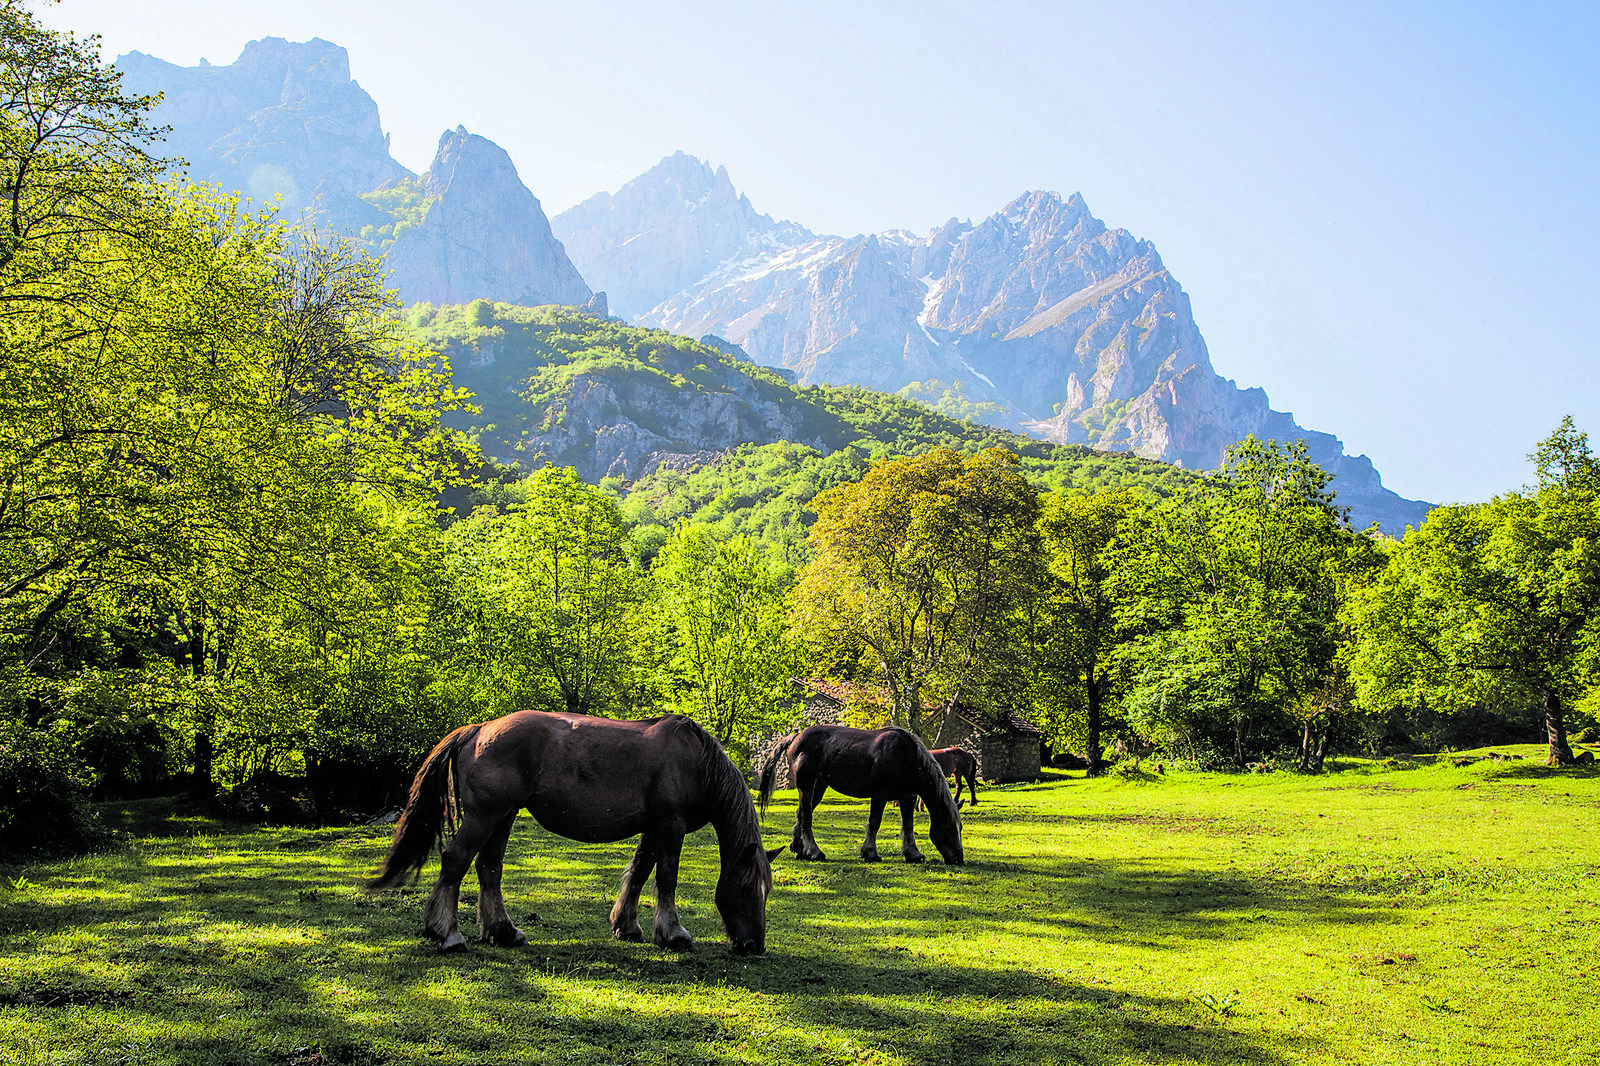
(742,893)
(945,832)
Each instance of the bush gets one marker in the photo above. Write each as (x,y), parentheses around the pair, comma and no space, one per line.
(44,795)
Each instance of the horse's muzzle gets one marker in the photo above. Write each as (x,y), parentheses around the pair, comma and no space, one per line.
(749,947)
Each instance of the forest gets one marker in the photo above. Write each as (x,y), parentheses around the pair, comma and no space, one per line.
(251,548)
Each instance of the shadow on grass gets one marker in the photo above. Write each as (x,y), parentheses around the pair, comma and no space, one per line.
(262,949)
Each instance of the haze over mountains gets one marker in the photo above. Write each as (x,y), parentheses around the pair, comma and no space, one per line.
(1039,317)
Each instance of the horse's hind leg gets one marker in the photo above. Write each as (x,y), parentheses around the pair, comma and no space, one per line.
(804,843)
(625,914)
(669,932)
(908,836)
(869,846)
(494,924)
(440,920)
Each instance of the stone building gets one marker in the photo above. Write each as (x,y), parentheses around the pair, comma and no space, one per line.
(1006,745)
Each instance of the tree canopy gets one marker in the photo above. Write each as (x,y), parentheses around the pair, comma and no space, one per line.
(1497,601)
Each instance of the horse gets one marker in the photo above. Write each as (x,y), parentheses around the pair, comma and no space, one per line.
(592,779)
(880,765)
(959,763)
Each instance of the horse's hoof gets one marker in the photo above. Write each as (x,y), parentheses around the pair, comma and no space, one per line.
(507,936)
(679,941)
(915,857)
(633,936)
(871,856)
(453,943)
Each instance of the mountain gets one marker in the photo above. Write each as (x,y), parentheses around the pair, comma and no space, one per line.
(287,120)
(1039,318)
(682,218)
(694,428)
(283,119)
(480,234)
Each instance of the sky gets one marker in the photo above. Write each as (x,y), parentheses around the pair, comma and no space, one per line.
(1384,213)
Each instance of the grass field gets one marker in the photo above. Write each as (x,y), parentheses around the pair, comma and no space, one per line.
(1373,915)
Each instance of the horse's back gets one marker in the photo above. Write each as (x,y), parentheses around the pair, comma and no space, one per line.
(865,763)
(585,777)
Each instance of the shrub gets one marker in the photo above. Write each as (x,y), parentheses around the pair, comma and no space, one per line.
(44,795)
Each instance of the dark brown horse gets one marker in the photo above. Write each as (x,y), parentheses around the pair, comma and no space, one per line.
(590,779)
(959,764)
(880,765)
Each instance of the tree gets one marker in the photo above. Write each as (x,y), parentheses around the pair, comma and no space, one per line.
(551,596)
(1073,625)
(1235,585)
(194,408)
(721,605)
(922,564)
(1494,602)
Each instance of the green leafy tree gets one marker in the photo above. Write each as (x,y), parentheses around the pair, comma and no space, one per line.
(1496,602)
(923,565)
(1073,626)
(1235,584)
(721,606)
(551,595)
(194,407)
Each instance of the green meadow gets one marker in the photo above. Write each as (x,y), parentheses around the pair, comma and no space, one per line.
(1390,912)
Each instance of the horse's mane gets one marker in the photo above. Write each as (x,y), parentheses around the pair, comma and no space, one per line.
(728,794)
(725,786)
(933,776)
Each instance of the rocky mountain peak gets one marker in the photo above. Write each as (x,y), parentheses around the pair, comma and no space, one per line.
(284,120)
(482,234)
(301,64)
(475,159)
(682,218)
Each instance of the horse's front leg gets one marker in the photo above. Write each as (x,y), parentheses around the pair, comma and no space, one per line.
(669,932)
(869,846)
(625,914)
(908,837)
(494,924)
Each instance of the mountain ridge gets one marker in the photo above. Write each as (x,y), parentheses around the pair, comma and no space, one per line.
(1038,318)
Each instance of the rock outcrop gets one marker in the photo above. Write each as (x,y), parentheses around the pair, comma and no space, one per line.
(483,234)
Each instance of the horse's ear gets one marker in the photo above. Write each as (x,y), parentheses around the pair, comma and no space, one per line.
(959,803)
(773,853)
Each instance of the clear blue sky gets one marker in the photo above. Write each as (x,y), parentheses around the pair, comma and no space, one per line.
(1384,213)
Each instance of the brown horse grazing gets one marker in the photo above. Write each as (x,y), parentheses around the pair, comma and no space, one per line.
(959,763)
(880,765)
(591,779)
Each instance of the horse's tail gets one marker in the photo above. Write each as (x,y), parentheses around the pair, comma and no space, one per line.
(429,810)
(769,770)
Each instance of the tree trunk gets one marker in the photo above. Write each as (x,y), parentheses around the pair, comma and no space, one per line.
(1313,740)
(204,785)
(1096,765)
(1555,724)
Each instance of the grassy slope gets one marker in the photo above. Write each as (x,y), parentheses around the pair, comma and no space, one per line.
(1444,914)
